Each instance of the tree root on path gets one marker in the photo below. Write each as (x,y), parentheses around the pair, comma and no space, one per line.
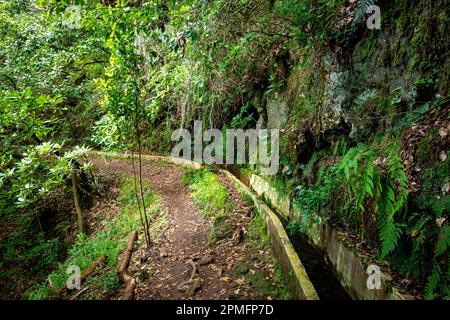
(130,282)
(194,269)
(195,282)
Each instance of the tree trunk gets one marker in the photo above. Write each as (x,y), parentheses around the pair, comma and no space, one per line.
(147,229)
(147,240)
(76,200)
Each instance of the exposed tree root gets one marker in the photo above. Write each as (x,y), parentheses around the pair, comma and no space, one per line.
(129,281)
(194,269)
(99,263)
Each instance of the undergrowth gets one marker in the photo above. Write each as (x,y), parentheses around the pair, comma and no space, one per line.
(366,193)
(208,193)
(257,231)
(108,242)
(260,240)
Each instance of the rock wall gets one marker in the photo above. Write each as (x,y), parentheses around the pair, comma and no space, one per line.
(364,82)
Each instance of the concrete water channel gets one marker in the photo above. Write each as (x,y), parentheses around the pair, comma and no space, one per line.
(321,273)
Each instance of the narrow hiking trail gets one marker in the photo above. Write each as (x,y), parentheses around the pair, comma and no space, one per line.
(180,263)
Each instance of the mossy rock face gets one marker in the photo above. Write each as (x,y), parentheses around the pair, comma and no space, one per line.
(220,229)
(366,49)
(277,110)
(424,151)
(361,111)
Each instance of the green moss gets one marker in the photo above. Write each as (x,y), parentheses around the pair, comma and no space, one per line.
(277,290)
(262,283)
(240,269)
(424,152)
(257,231)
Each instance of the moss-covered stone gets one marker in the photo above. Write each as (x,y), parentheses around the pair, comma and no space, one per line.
(220,229)
(424,152)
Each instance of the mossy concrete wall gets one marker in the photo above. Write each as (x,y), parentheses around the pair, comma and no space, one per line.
(282,247)
(269,194)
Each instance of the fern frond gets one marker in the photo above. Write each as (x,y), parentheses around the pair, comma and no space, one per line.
(348,163)
(433,281)
(361,9)
(390,233)
(443,243)
(396,171)
(368,179)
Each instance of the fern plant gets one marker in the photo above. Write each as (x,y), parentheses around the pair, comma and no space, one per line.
(312,200)
(396,196)
(383,183)
(411,259)
(439,273)
(243,118)
(361,9)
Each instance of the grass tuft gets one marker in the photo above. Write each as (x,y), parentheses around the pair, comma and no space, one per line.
(208,193)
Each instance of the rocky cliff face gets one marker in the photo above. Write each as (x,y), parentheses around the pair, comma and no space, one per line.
(368,82)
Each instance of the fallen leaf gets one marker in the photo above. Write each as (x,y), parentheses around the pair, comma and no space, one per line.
(443,132)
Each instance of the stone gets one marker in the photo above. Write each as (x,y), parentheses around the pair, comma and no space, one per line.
(206,259)
(277,110)
(239,269)
(220,229)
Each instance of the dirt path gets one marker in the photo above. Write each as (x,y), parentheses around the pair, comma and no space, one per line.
(166,270)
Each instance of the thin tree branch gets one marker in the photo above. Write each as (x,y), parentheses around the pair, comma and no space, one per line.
(10,80)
